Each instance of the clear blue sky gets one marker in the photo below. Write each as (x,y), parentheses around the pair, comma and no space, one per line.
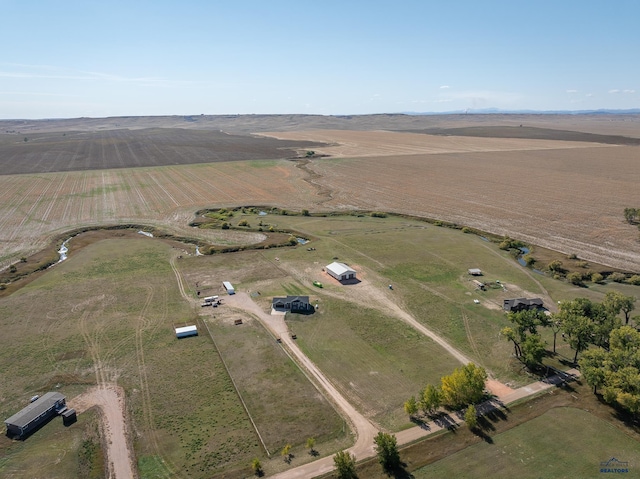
(72,58)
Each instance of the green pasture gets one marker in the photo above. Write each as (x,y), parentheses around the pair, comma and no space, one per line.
(55,451)
(115,302)
(377,362)
(562,443)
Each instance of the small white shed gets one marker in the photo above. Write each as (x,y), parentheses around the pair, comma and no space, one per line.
(229,287)
(340,271)
(186,331)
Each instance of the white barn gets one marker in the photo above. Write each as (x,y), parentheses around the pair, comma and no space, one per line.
(340,271)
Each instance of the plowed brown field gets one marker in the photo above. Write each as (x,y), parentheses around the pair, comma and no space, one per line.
(564,195)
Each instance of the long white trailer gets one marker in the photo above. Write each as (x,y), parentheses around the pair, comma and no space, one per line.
(229,287)
(211,299)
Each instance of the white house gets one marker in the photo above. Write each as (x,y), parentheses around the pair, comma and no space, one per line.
(340,271)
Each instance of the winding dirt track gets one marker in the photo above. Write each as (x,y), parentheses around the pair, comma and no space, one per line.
(110,400)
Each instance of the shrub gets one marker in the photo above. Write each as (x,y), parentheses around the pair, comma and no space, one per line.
(12,268)
(617,277)
(556,267)
(466,230)
(225,226)
(529,260)
(572,256)
(437,223)
(243,223)
(575,278)
(635,280)
(378,214)
(596,277)
(305,212)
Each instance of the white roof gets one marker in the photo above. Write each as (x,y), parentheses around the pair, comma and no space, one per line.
(186,329)
(340,268)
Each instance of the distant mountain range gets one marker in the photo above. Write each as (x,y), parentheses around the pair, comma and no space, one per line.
(487,111)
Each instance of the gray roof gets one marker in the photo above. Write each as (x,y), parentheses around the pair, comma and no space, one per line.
(291,299)
(35,409)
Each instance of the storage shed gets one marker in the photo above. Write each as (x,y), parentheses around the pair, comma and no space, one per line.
(228,287)
(475,271)
(186,331)
(340,271)
(35,414)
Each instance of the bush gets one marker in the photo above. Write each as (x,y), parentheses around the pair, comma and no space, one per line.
(556,267)
(225,226)
(529,260)
(12,268)
(466,230)
(572,256)
(617,277)
(575,278)
(596,277)
(635,280)
(378,214)
(243,223)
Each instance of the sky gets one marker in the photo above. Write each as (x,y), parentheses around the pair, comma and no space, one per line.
(87,58)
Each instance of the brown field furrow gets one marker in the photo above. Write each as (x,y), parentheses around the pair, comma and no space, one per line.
(347,143)
(38,197)
(571,199)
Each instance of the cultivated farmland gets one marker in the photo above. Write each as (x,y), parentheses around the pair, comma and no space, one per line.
(106,316)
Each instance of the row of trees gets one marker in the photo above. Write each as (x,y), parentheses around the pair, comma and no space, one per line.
(462,387)
(616,368)
(581,321)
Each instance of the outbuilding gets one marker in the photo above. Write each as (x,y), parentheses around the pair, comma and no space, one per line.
(475,271)
(34,415)
(186,331)
(228,287)
(341,271)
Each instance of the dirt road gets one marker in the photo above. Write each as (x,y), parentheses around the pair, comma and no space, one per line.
(110,400)
(364,430)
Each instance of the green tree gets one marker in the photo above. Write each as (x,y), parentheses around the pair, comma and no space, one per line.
(617,371)
(510,334)
(305,212)
(256,467)
(430,399)
(464,386)
(471,417)
(345,465)
(578,332)
(592,367)
(616,302)
(533,349)
(286,453)
(311,443)
(411,406)
(386,447)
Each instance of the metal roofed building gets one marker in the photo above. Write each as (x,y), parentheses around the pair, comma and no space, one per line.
(35,414)
(186,331)
(340,271)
